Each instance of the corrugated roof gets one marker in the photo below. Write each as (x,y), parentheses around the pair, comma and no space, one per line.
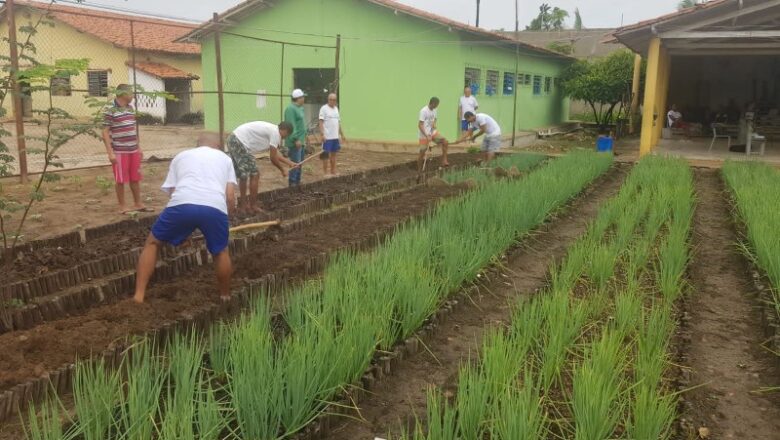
(250,6)
(162,70)
(612,37)
(150,34)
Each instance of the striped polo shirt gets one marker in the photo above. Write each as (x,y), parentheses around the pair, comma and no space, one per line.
(121,126)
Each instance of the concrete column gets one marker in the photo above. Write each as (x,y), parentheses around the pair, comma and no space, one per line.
(650,106)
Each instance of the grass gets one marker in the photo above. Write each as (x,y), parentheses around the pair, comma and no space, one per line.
(260,385)
(755,187)
(587,358)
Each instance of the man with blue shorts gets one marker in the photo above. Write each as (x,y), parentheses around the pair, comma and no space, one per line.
(468,103)
(488,127)
(201,183)
(332,134)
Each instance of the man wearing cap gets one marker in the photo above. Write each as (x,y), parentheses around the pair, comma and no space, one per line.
(246,141)
(296,141)
(120,137)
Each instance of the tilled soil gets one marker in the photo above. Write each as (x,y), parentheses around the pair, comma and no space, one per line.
(400,399)
(29,354)
(724,356)
(51,259)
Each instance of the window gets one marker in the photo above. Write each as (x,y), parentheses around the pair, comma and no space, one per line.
(491,88)
(547,85)
(526,79)
(60,85)
(473,79)
(537,85)
(509,83)
(97,82)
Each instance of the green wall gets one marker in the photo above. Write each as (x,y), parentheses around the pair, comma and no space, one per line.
(385,79)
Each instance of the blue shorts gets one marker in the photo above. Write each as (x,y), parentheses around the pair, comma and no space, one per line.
(176,223)
(331,146)
(465,125)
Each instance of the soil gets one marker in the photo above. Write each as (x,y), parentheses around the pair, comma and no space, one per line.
(401,398)
(77,200)
(50,259)
(28,354)
(724,354)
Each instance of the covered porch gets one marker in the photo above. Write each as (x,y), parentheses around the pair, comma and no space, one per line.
(712,85)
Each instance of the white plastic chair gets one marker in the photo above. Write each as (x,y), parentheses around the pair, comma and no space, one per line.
(716,136)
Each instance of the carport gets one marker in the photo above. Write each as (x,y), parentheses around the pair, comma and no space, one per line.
(719,64)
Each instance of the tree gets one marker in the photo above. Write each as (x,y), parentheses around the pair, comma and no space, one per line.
(603,84)
(549,19)
(577,19)
(685,4)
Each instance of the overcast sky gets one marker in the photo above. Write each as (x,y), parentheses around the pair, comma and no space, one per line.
(495,13)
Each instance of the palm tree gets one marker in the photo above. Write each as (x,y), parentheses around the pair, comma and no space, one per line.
(577,19)
(557,18)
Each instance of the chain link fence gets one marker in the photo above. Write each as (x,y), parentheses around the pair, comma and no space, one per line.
(174,102)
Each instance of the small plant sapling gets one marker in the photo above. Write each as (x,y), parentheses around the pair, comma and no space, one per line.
(103,184)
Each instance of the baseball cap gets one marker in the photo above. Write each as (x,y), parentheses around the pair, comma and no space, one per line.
(298,93)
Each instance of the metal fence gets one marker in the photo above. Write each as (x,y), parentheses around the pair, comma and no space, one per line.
(148,53)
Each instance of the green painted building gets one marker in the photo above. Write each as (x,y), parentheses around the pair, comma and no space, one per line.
(392,59)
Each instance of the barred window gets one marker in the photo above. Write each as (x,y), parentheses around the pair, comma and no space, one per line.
(547,85)
(97,82)
(537,85)
(491,87)
(473,79)
(509,83)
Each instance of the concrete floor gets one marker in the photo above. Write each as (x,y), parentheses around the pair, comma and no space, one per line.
(695,150)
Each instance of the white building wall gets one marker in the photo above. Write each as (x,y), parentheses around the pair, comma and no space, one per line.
(155,107)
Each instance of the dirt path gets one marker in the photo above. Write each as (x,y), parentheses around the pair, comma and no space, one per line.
(724,353)
(398,398)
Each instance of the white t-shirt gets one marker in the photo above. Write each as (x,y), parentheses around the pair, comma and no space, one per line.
(428,118)
(672,116)
(200,177)
(258,136)
(330,120)
(468,104)
(492,129)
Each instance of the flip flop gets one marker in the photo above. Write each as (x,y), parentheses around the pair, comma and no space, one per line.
(144,209)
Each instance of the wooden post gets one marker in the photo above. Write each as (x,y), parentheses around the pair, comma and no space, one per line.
(635,93)
(338,68)
(517,67)
(135,79)
(281,87)
(220,91)
(16,92)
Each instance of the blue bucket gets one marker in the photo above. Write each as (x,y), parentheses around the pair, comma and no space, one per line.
(604,144)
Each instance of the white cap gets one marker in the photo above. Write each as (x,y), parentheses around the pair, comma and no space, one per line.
(298,93)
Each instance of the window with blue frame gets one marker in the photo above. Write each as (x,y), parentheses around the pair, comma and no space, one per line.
(537,85)
(509,83)
(491,86)
(473,79)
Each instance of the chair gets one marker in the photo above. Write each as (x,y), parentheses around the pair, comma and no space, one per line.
(758,139)
(716,136)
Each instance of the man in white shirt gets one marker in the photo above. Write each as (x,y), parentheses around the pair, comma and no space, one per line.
(243,144)
(487,127)
(429,134)
(201,183)
(674,117)
(332,134)
(468,103)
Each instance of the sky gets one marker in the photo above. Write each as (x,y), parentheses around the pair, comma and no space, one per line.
(496,14)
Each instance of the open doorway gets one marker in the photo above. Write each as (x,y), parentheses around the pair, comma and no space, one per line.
(181,89)
(317,83)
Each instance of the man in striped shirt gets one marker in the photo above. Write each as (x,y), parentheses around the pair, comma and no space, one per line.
(121,138)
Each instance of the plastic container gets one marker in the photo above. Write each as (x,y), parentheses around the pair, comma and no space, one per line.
(604,144)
